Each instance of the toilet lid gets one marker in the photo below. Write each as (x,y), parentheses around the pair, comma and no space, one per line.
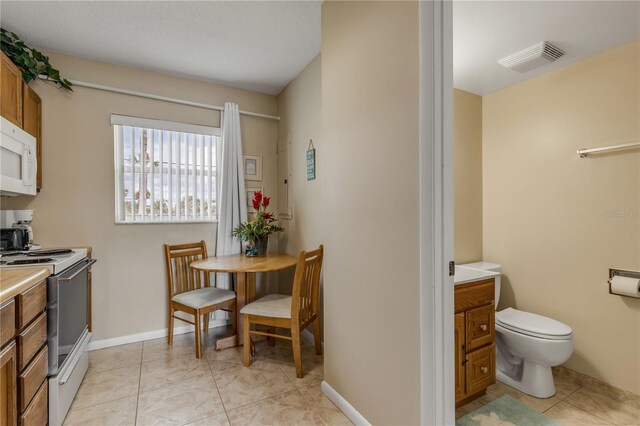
(532,324)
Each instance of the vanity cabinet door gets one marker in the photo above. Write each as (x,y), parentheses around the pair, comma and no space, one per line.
(480,327)
(459,327)
(481,369)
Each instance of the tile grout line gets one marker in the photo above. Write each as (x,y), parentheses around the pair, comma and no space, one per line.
(213,376)
(311,405)
(261,400)
(296,387)
(98,372)
(563,399)
(589,412)
(135,419)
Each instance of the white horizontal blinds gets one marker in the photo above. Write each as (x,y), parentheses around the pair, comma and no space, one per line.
(164,175)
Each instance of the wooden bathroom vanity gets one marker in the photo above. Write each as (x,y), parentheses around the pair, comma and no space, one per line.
(475,338)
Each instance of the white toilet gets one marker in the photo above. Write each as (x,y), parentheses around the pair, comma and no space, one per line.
(528,345)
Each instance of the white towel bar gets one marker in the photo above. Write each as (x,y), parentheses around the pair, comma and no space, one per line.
(583,153)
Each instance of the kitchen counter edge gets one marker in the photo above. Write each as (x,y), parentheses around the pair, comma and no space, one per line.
(14,281)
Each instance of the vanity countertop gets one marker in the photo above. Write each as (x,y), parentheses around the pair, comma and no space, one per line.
(466,275)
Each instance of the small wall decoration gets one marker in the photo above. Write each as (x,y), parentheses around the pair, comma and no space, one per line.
(252,167)
(311,161)
(250,191)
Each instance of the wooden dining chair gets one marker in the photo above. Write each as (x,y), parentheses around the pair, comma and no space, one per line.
(295,312)
(190,290)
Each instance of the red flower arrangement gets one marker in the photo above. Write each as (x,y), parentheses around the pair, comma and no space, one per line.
(257,231)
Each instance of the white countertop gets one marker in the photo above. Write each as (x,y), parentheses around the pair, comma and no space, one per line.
(466,275)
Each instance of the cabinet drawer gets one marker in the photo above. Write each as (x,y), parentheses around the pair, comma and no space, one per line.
(474,294)
(480,327)
(7,322)
(31,340)
(36,412)
(481,369)
(32,377)
(31,303)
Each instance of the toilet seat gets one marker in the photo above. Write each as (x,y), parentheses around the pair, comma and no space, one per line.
(533,325)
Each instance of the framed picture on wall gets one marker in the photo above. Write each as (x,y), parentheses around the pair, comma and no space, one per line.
(252,167)
(250,191)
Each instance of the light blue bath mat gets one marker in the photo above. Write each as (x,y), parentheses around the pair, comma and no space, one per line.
(505,411)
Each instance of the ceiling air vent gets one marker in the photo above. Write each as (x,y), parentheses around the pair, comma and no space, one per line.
(532,57)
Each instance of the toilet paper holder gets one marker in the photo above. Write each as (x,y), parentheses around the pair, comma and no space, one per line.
(623,273)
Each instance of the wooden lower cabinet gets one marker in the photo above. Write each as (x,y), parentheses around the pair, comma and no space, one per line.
(460,365)
(475,349)
(36,413)
(7,321)
(8,381)
(24,359)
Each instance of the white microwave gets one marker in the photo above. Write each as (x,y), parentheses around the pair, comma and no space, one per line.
(18,162)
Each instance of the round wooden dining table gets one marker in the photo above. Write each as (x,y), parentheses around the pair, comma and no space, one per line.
(244,269)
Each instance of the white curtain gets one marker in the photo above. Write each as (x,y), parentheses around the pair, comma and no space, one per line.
(232,204)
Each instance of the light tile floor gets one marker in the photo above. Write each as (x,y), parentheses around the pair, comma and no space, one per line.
(150,383)
(573,404)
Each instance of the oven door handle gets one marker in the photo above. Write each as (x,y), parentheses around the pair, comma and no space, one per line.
(89,262)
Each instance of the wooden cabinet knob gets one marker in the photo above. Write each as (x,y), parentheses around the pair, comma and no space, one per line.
(483,327)
(484,370)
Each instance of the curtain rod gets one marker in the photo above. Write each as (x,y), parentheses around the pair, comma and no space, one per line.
(165,98)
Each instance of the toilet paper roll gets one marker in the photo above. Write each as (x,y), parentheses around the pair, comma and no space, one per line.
(625,286)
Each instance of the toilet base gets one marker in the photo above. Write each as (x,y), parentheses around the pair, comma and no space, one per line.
(536,380)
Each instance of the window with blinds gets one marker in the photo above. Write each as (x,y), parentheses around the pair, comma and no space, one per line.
(165,172)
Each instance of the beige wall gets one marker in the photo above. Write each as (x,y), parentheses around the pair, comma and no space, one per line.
(370,216)
(467,155)
(547,213)
(299,106)
(76,205)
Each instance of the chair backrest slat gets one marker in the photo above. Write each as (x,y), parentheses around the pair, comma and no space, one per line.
(306,282)
(180,276)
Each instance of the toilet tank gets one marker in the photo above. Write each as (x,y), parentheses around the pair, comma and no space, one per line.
(487,266)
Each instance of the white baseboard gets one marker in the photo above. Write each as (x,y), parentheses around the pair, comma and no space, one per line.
(147,335)
(343,405)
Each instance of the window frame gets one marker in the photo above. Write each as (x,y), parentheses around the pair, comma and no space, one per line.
(161,125)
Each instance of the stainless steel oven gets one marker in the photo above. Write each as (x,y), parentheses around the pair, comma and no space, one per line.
(67,335)
(68,320)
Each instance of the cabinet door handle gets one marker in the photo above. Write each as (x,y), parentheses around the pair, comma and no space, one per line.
(483,327)
(484,370)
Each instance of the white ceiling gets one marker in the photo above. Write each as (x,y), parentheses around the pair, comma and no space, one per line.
(255,45)
(485,31)
(263,45)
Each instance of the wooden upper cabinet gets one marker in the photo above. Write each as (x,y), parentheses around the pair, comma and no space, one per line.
(32,124)
(21,105)
(11,97)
